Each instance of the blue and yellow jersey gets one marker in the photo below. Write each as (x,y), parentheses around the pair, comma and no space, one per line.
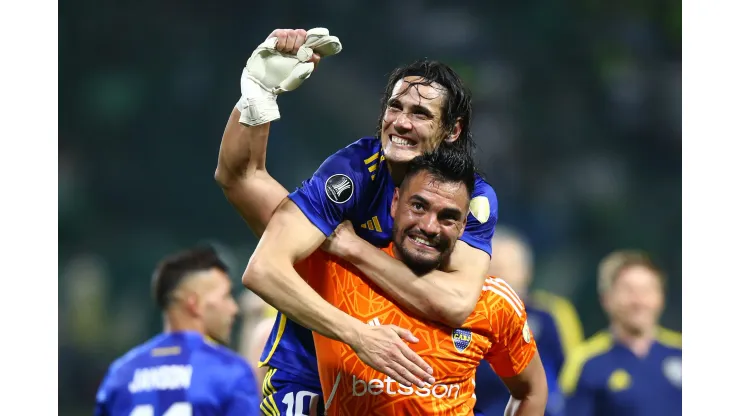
(555,325)
(603,377)
(355,184)
(178,373)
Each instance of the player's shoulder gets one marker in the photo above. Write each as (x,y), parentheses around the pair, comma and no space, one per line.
(352,168)
(483,201)
(669,339)
(223,355)
(363,152)
(482,187)
(499,297)
(131,355)
(593,349)
(586,361)
(120,369)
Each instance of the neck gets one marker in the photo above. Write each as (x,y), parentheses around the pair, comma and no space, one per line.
(637,342)
(176,322)
(397,170)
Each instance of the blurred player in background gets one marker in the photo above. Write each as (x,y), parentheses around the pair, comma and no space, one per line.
(425,106)
(553,321)
(185,370)
(634,367)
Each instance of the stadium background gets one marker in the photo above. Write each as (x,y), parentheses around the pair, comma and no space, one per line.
(577,116)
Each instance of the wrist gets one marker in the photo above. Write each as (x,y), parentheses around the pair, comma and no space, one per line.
(349,330)
(257,105)
(354,250)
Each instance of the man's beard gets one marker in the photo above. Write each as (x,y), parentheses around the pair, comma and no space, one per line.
(420,265)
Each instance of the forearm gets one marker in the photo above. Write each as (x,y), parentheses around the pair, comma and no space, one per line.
(430,296)
(528,406)
(242,175)
(243,150)
(283,288)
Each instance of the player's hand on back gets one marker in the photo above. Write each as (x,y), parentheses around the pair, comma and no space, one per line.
(383,348)
(279,64)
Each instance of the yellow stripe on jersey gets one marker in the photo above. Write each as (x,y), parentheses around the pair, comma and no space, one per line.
(274,405)
(573,367)
(670,338)
(374,166)
(377,224)
(281,329)
(267,408)
(372,158)
(267,387)
(565,316)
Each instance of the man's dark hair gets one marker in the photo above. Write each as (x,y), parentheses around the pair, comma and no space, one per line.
(172,270)
(445,164)
(457,104)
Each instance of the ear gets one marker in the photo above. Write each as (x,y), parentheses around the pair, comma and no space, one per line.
(192,303)
(394,203)
(456,130)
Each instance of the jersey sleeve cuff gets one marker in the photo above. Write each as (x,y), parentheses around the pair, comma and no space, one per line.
(304,204)
(477,243)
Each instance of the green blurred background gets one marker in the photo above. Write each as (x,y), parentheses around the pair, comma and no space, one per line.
(577,117)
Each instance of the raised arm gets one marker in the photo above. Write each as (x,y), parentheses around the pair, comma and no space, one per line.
(278,65)
(447,296)
(242,174)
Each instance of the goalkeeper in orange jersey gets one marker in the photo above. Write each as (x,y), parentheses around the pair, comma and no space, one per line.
(429,210)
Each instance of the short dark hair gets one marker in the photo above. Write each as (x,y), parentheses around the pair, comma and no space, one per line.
(173,269)
(457,104)
(446,165)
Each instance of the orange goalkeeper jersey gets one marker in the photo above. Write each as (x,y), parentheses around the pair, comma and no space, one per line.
(497,331)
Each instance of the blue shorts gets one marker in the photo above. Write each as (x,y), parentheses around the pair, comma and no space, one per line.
(286,395)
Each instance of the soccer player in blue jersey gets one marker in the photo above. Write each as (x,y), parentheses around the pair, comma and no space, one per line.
(185,370)
(634,367)
(552,320)
(425,105)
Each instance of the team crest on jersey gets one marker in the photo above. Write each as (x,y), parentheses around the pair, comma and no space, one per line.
(339,188)
(480,208)
(672,370)
(527,333)
(461,338)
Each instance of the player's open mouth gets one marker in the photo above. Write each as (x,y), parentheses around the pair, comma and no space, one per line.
(402,141)
(422,242)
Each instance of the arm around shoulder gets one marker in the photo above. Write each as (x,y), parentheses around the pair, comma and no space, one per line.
(289,238)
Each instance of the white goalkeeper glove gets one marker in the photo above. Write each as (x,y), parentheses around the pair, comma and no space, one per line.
(269,73)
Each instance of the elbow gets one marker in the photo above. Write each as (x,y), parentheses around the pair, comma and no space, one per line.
(256,277)
(224,176)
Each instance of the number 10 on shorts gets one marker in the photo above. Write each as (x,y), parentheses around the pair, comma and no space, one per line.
(296,402)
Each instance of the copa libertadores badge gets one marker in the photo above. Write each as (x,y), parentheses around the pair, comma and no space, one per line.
(339,188)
